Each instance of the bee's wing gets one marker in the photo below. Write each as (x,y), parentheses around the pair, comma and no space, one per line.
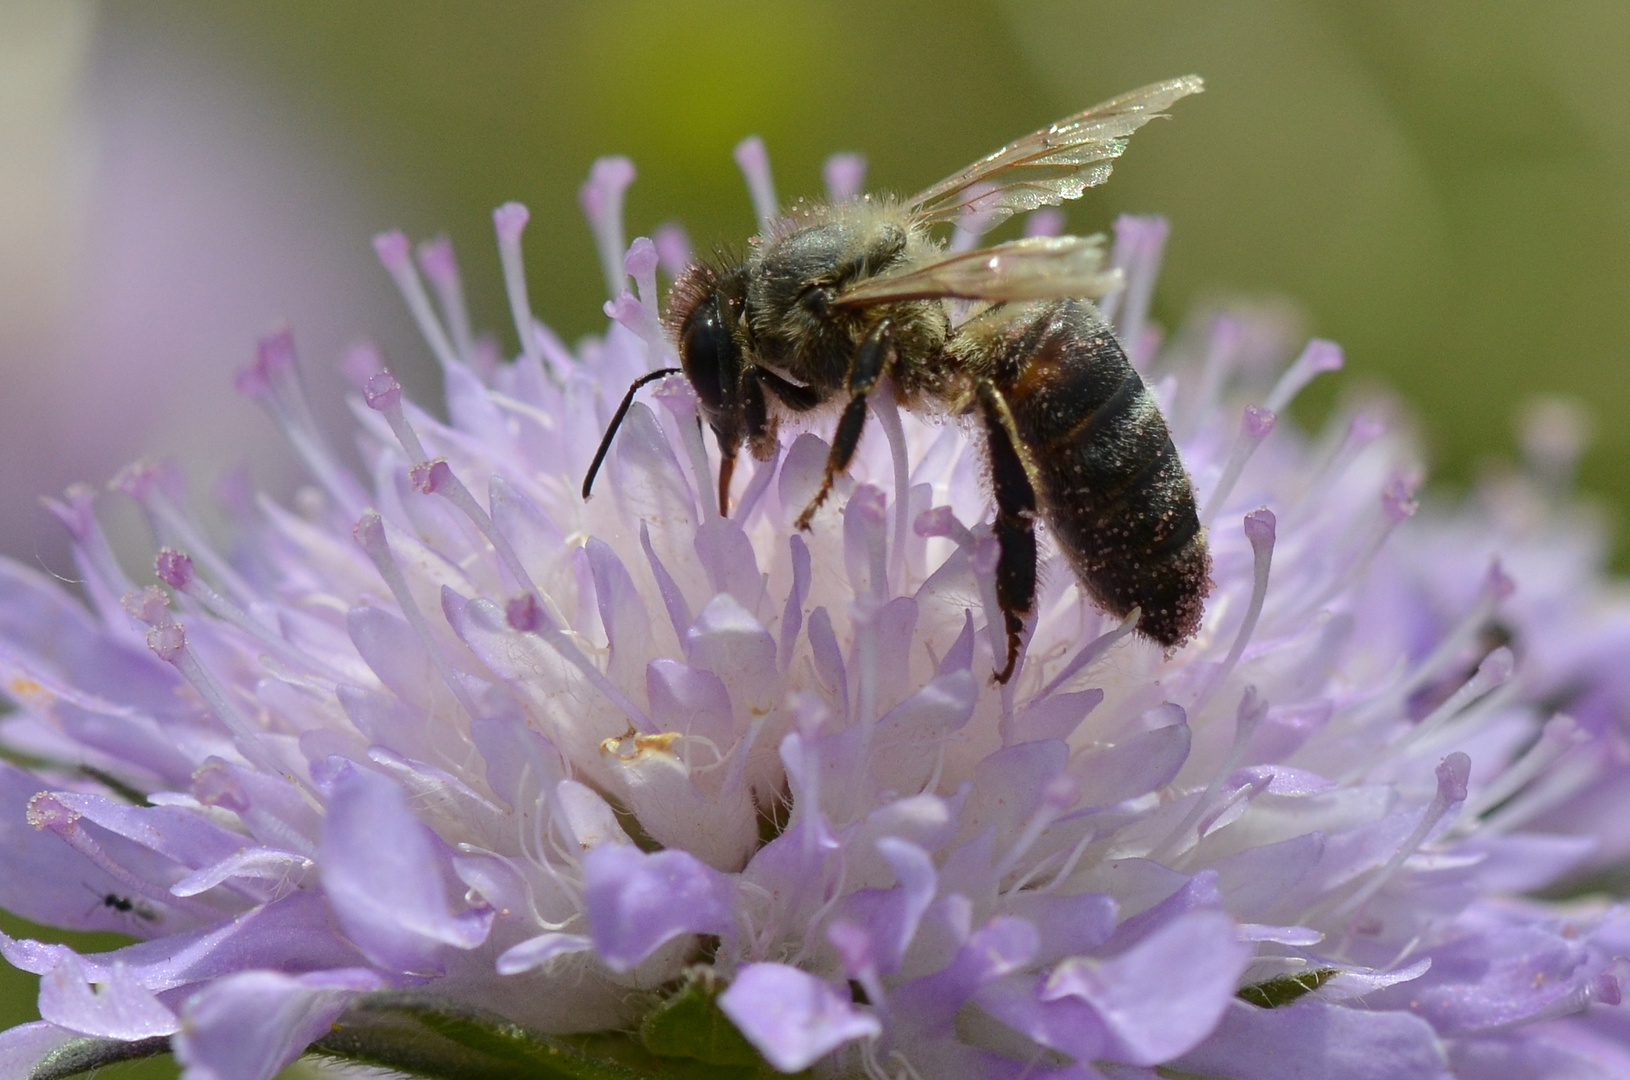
(1048,166)
(1036,268)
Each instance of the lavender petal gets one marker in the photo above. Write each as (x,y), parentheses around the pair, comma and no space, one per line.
(638,901)
(1312,1038)
(114,1006)
(1164,995)
(250,1025)
(793,1018)
(390,898)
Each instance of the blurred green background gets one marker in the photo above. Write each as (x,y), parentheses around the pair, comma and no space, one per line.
(1443,188)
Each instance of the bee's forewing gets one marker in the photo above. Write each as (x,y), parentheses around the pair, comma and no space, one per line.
(1047,167)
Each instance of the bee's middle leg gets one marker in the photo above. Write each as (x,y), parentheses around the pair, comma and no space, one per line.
(869,365)
(756,430)
(1015,522)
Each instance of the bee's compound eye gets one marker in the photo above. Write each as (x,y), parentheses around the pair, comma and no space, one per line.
(709,353)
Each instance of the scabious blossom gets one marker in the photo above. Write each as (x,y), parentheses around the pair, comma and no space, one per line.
(447,769)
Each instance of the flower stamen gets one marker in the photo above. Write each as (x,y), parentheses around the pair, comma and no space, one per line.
(1254,427)
(601,197)
(754,162)
(396,254)
(508,221)
(1318,357)
(1140,242)
(440,265)
(273,380)
(844,176)
(1452,775)
(370,536)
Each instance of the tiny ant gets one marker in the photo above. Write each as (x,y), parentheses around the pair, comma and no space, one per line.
(124,905)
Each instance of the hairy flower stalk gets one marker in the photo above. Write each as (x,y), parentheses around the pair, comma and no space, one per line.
(448,769)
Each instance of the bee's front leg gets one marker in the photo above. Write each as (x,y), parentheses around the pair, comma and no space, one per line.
(870,364)
(756,429)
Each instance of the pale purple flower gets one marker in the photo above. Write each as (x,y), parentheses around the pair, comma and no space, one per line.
(451,741)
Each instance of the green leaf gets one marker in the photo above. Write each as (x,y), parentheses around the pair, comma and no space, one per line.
(83,1055)
(1284,989)
(690,1024)
(427,1036)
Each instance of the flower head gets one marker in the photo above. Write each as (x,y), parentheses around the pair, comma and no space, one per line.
(451,746)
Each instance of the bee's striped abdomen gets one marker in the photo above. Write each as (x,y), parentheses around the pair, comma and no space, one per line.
(1111,484)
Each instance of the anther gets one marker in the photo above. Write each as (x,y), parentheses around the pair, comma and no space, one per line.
(942,521)
(174,568)
(1398,498)
(431,477)
(384,395)
(149,606)
(523,614)
(167,641)
(382,391)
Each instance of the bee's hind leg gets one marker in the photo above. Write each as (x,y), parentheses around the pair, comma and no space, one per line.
(1015,521)
(871,360)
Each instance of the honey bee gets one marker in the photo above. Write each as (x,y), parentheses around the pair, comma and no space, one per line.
(833,297)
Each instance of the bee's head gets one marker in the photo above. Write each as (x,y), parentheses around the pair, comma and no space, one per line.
(705,318)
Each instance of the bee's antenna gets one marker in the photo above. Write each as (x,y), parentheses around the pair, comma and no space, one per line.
(617,422)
